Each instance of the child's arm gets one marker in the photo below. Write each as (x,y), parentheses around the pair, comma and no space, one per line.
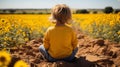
(74,40)
(46,40)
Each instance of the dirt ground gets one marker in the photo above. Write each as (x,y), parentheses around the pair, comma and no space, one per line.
(91,53)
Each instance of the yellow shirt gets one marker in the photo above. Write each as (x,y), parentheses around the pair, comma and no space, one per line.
(60,41)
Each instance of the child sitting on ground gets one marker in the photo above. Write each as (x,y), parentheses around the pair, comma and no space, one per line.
(60,41)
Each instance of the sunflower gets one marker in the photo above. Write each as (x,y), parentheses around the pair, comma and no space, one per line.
(118,32)
(5,58)
(2,20)
(20,63)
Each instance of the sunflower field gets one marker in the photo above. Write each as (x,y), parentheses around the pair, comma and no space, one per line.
(106,26)
(18,29)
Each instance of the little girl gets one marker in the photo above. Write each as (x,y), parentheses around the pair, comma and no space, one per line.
(60,41)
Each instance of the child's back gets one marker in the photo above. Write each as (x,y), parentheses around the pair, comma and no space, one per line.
(62,41)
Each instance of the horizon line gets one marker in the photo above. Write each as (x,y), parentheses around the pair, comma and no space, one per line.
(50,8)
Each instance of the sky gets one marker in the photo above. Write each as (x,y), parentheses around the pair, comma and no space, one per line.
(76,4)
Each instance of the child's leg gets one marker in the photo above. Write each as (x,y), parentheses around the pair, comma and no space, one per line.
(70,58)
(43,51)
(46,54)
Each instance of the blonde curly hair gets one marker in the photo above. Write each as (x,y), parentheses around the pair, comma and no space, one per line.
(61,13)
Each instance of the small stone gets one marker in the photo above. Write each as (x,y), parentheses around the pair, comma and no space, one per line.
(100,42)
